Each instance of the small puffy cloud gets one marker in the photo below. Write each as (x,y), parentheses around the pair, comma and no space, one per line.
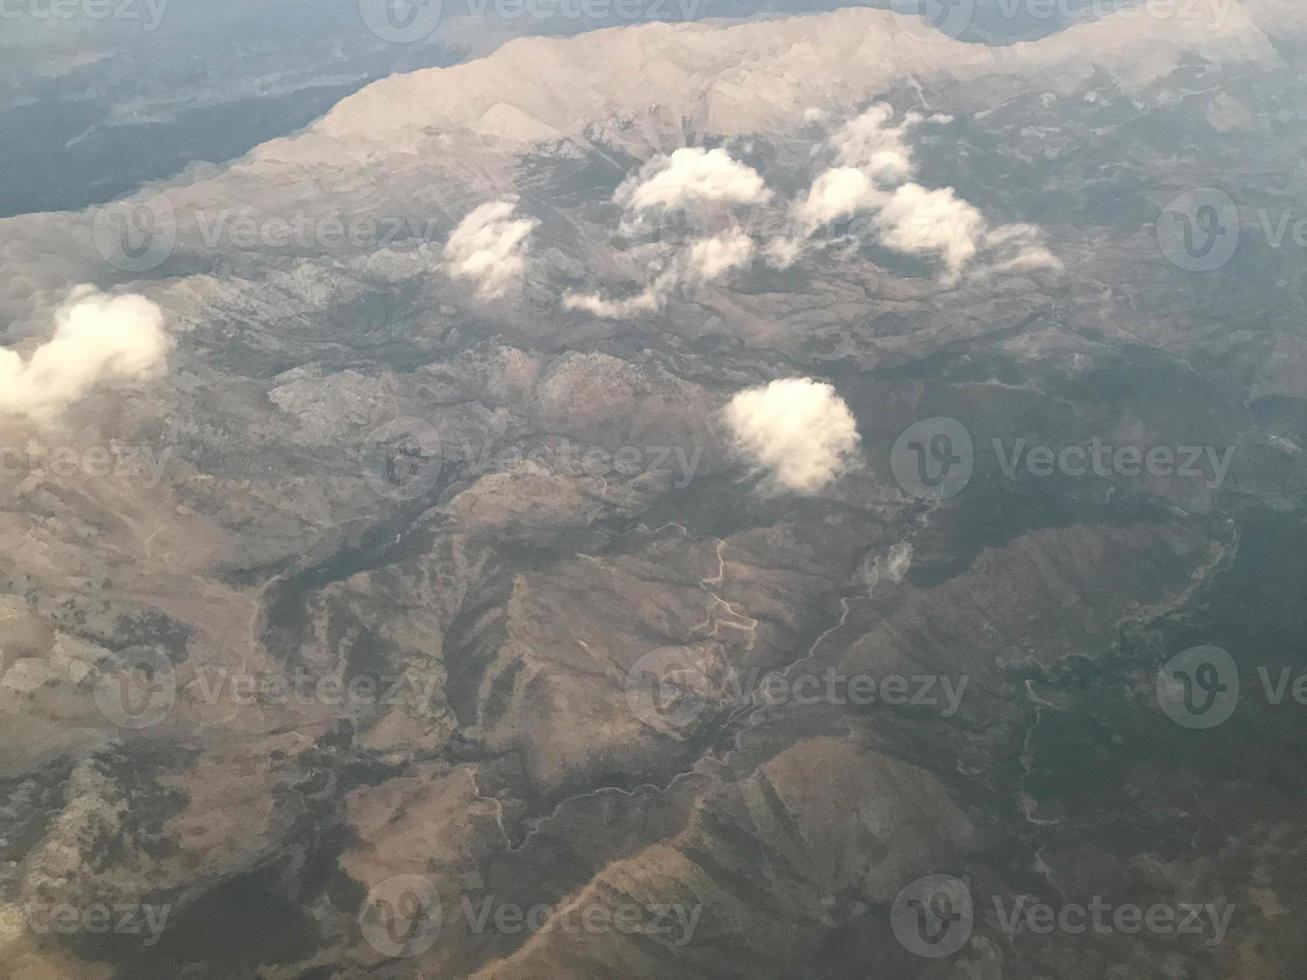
(705,260)
(1019,234)
(911,218)
(1030,257)
(782,252)
(886,166)
(647,300)
(489,246)
(839,193)
(712,258)
(797,430)
(871,176)
(97,338)
(874,160)
(916,220)
(869,141)
(689,176)
(1018,248)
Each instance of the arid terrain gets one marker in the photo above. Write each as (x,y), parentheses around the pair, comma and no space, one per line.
(362,583)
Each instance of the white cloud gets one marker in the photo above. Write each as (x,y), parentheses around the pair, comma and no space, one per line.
(797,430)
(705,260)
(691,176)
(1018,248)
(97,337)
(1018,234)
(646,301)
(688,179)
(917,220)
(889,167)
(712,258)
(782,252)
(874,164)
(869,142)
(875,158)
(489,246)
(839,193)
(1031,257)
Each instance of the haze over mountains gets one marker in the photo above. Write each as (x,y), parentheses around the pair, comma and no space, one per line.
(506,385)
(135,91)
